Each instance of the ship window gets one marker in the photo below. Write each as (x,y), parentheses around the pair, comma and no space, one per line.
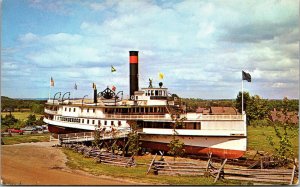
(142,110)
(105,122)
(136,97)
(93,122)
(88,121)
(156,92)
(87,110)
(74,109)
(82,121)
(152,92)
(66,109)
(99,122)
(69,109)
(148,92)
(94,110)
(112,123)
(159,93)
(119,123)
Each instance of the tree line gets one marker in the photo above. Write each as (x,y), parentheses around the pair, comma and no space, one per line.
(193,103)
(9,104)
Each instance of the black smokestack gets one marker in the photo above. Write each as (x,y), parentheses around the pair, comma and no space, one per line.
(134,71)
(95,95)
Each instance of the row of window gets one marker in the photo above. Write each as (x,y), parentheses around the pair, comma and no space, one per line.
(168,125)
(87,121)
(74,110)
(139,110)
(155,93)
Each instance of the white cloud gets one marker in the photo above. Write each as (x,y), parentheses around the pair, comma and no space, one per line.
(198,45)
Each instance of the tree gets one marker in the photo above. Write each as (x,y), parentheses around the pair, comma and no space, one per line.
(283,149)
(31,120)
(133,142)
(40,122)
(257,108)
(134,145)
(9,120)
(176,146)
(97,138)
(37,108)
(246,97)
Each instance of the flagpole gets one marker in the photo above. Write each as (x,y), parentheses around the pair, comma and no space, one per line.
(242,96)
(49,93)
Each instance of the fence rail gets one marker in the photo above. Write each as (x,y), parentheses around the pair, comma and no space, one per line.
(103,157)
(268,176)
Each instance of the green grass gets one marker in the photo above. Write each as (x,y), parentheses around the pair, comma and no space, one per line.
(138,173)
(21,115)
(257,138)
(26,138)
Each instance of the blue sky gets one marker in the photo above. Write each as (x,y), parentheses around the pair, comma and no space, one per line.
(201,46)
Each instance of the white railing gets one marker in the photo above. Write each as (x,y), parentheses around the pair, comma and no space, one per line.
(50,111)
(221,117)
(89,136)
(152,117)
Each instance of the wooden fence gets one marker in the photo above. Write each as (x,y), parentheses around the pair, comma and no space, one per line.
(259,176)
(102,156)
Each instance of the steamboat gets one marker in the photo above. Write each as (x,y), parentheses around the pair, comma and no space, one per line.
(154,112)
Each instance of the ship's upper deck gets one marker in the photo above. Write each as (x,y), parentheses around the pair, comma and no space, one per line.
(144,97)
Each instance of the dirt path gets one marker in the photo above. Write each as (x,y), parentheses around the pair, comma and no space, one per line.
(41,164)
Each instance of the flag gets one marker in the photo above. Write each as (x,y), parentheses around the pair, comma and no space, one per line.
(51,82)
(94,86)
(246,76)
(75,86)
(161,76)
(113,69)
(113,88)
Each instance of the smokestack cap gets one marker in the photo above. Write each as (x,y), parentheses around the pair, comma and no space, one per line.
(133,53)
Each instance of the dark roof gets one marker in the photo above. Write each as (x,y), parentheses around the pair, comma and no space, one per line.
(290,117)
(218,110)
(223,110)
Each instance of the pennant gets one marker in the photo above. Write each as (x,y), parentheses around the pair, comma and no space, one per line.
(94,86)
(246,76)
(51,82)
(161,76)
(113,69)
(113,88)
(75,86)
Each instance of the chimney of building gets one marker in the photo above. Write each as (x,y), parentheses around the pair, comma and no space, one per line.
(134,72)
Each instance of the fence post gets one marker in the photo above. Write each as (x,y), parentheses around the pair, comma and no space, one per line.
(218,175)
(293,173)
(208,162)
(151,163)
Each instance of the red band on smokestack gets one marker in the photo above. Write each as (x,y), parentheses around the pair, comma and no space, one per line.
(133,59)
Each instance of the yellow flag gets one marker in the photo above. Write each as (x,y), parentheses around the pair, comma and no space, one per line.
(113,69)
(161,75)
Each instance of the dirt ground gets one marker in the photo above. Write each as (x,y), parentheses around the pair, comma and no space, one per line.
(41,164)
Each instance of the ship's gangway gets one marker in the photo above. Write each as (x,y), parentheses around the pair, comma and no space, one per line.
(90,136)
